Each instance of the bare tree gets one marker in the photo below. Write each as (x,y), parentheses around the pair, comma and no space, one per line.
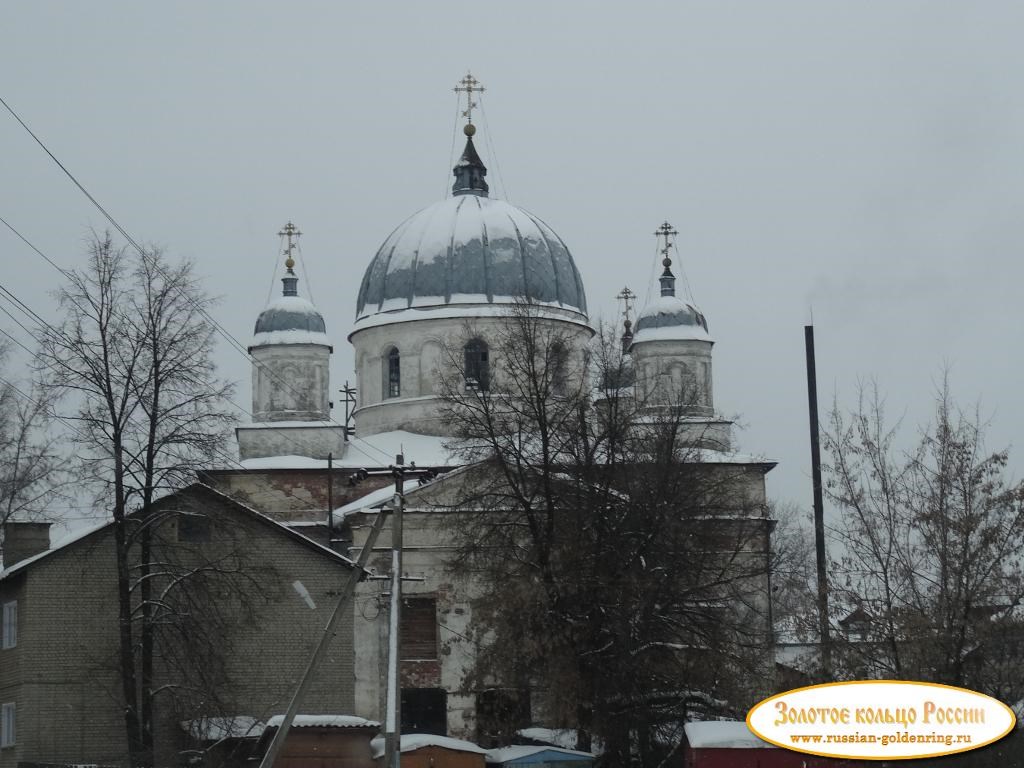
(928,549)
(134,353)
(623,568)
(31,464)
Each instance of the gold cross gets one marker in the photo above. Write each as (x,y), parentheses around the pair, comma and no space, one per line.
(469,85)
(290,231)
(666,231)
(627,297)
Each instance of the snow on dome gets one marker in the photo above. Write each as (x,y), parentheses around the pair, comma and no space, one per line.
(670,318)
(290,320)
(470,250)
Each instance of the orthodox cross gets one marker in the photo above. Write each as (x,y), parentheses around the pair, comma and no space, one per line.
(469,85)
(627,297)
(666,231)
(290,231)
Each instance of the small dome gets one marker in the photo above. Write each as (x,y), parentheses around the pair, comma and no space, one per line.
(470,250)
(670,318)
(290,320)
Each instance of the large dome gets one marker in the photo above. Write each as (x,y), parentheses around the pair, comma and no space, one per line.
(466,250)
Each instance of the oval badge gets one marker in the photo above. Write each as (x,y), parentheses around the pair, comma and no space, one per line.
(881,719)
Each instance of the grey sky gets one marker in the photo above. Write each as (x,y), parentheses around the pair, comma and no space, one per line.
(864,159)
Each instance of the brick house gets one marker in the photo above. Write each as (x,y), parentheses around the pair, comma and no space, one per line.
(59,689)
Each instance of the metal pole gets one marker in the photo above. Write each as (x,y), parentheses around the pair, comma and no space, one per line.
(819,505)
(393,723)
(330,500)
(321,650)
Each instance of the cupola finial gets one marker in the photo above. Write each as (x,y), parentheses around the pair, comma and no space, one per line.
(667,279)
(290,281)
(627,297)
(469,172)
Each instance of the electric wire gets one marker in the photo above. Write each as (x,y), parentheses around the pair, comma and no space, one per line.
(494,153)
(232,341)
(451,152)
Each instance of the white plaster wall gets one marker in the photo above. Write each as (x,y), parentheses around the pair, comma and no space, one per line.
(291,382)
(422,344)
(664,369)
(312,441)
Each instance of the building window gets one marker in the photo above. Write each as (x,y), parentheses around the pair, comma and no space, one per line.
(393,374)
(10,624)
(425,710)
(193,529)
(477,366)
(558,360)
(419,628)
(8,733)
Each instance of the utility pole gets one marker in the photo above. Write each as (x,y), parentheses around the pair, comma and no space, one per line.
(324,645)
(819,505)
(393,716)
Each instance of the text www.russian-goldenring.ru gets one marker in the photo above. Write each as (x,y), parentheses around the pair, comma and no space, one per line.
(905,737)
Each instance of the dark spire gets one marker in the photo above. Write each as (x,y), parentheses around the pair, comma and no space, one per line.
(469,172)
(667,279)
(627,297)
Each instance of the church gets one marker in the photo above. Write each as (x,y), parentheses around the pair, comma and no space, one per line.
(437,295)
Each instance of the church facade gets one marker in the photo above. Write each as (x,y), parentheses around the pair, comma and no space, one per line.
(436,296)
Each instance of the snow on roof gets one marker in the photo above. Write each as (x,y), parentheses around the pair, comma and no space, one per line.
(294,336)
(377,450)
(723,734)
(218,728)
(289,424)
(559,737)
(519,751)
(442,311)
(414,741)
(374,499)
(324,721)
(672,333)
(62,542)
(202,487)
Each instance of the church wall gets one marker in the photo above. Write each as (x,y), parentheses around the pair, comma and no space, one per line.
(424,347)
(290,382)
(667,369)
(315,441)
(291,494)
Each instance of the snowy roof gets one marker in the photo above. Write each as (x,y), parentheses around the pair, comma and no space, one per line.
(290,425)
(559,737)
(194,488)
(414,741)
(723,734)
(670,318)
(284,313)
(324,721)
(218,728)
(378,450)
(473,246)
(468,307)
(518,752)
(374,499)
(291,336)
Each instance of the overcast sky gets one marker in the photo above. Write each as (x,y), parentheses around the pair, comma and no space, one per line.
(861,160)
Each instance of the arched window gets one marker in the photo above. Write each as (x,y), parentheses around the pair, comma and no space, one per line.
(477,367)
(393,374)
(558,368)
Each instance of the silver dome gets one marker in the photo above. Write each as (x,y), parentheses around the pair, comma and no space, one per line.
(470,249)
